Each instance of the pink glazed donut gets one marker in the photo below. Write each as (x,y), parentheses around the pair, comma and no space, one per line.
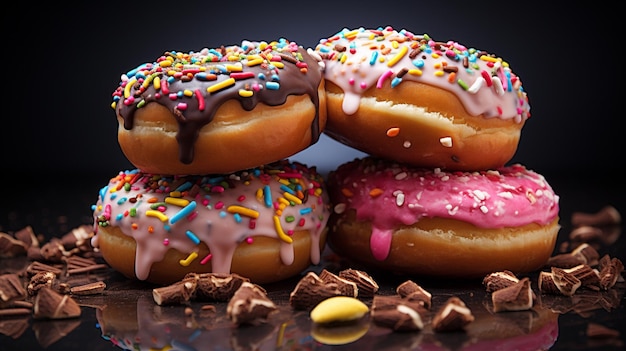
(446,224)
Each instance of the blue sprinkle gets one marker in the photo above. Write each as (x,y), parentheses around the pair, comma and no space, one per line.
(395,81)
(237,217)
(119,217)
(267,196)
(287,189)
(418,63)
(272,85)
(193,237)
(121,201)
(184,186)
(306,211)
(222,214)
(373,58)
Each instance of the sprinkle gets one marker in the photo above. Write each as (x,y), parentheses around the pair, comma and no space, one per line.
(221,85)
(157,214)
(183,212)
(478,83)
(279,230)
(206,259)
(292,198)
(200,98)
(306,210)
(187,261)
(392,132)
(267,196)
(395,59)
(373,57)
(462,84)
(245,93)
(383,77)
(446,141)
(176,201)
(244,211)
(287,189)
(272,85)
(376,192)
(193,237)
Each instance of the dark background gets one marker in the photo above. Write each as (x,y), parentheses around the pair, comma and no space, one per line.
(65,61)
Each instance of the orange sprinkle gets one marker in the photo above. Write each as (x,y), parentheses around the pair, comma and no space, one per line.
(152,200)
(392,132)
(134,226)
(150,229)
(376,192)
(451,77)
(347,192)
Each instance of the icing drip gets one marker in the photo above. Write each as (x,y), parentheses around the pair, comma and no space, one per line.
(390,195)
(360,59)
(181,212)
(194,85)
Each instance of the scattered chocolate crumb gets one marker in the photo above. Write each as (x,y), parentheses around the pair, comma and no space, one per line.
(606,216)
(345,286)
(49,304)
(180,292)
(415,293)
(11,288)
(610,271)
(516,297)
(499,280)
(598,331)
(249,305)
(454,315)
(397,313)
(366,285)
(39,281)
(310,291)
(88,289)
(216,286)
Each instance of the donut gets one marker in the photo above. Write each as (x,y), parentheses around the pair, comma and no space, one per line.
(415,100)
(220,110)
(431,222)
(267,223)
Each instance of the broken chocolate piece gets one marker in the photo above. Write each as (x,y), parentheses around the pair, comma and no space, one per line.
(38,267)
(180,292)
(587,253)
(565,282)
(610,271)
(606,216)
(39,281)
(517,297)
(88,289)
(588,277)
(11,247)
(217,286)
(397,313)
(454,315)
(11,288)
(347,287)
(310,291)
(249,305)
(499,280)
(49,304)
(366,285)
(415,293)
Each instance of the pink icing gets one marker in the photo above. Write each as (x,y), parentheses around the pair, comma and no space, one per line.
(356,60)
(390,195)
(163,212)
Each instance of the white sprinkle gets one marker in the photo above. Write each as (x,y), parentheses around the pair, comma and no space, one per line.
(407,144)
(446,141)
(478,83)
(505,194)
(452,210)
(401,175)
(481,195)
(400,199)
(484,209)
(340,208)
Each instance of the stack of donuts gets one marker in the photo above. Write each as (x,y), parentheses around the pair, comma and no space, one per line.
(210,133)
(440,122)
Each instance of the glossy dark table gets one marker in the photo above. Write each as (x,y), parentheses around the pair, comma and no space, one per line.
(126,317)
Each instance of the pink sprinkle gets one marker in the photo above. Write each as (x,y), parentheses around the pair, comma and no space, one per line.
(249,240)
(129,101)
(499,110)
(382,78)
(241,198)
(166,241)
(173,96)
(290,232)
(219,205)
(252,224)
(301,222)
(206,259)
(351,81)
(161,208)
(181,106)
(205,202)
(487,77)
(192,216)
(217,189)
(363,85)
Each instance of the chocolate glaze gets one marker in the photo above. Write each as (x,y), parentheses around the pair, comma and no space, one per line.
(296,72)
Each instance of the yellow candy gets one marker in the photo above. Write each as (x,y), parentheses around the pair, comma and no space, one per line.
(338,309)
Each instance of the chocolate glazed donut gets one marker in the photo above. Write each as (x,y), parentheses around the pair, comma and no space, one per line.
(191,90)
